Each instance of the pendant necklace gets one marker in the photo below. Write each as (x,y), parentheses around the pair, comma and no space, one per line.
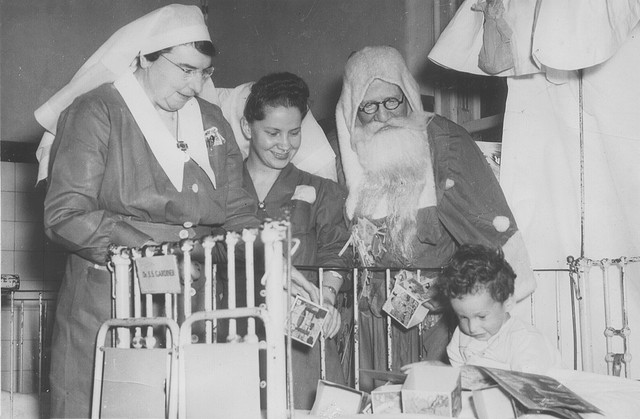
(182,146)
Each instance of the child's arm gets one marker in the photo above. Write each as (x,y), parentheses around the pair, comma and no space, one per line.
(532,352)
(407,368)
(453,350)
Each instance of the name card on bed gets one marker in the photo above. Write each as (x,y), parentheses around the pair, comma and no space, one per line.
(158,274)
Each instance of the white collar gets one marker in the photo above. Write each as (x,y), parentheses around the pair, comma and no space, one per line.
(160,140)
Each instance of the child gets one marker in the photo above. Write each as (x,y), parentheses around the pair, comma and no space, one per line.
(479,284)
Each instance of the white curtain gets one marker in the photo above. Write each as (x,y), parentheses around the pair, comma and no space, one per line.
(576,77)
(540,171)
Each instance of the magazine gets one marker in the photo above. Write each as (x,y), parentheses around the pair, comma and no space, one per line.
(540,394)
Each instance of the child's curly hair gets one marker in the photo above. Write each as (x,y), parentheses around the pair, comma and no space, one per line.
(474,268)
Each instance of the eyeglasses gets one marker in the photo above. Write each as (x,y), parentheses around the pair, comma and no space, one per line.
(189,73)
(389,104)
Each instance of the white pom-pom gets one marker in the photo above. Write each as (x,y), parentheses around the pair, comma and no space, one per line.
(501,223)
(448,184)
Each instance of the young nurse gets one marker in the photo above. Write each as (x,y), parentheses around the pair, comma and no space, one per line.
(272,122)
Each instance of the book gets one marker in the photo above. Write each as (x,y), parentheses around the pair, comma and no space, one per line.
(405,302)
(536,393)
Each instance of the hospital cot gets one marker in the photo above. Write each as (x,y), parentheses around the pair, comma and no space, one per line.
(559,307)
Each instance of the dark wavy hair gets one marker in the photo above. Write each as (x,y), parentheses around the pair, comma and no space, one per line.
(276,89)
(204,47)
(474,268)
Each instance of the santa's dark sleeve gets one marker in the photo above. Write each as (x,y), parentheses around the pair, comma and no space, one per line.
(471,204)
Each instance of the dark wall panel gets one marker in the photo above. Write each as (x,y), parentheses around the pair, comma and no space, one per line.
(312,38)
(44,42)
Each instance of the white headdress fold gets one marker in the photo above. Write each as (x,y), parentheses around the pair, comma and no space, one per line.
(166,27)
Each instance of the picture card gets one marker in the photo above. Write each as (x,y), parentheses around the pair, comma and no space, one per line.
(418,286)
(307,319)
(409,292)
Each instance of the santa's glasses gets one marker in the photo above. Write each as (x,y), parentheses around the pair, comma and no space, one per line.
(390,104)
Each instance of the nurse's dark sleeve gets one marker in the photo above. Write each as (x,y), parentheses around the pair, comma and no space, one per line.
(72,215)
(331,229)
(241,207)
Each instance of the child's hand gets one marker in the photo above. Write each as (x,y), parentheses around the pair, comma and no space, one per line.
(407,368)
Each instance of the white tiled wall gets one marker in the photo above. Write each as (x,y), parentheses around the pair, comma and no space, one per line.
(40,264)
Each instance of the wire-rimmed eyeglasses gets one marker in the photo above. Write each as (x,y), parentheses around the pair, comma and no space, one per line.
(390,104)
(189,73)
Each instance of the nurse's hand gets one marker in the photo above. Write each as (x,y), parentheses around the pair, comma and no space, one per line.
(196,269)
(303,286)
(332,322)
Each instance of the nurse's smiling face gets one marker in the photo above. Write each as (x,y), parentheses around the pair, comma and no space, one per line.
(166,80)
(276,138)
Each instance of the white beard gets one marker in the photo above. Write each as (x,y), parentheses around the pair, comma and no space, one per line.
(395,162)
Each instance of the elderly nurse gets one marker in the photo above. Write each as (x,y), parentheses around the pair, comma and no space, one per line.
(138,159)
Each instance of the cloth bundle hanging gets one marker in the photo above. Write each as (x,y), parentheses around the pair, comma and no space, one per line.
(495,55)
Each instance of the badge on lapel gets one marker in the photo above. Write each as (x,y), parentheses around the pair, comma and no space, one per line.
(213,138)
(306,193)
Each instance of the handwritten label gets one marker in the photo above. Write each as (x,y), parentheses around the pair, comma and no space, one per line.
(158,275)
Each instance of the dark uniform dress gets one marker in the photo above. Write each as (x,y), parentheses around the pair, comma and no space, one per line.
(320,227)
(107,187)
(469,198)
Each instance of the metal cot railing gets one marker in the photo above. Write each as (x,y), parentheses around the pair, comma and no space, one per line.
(562,307)
(28,346)
(130,302)
(608,278)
